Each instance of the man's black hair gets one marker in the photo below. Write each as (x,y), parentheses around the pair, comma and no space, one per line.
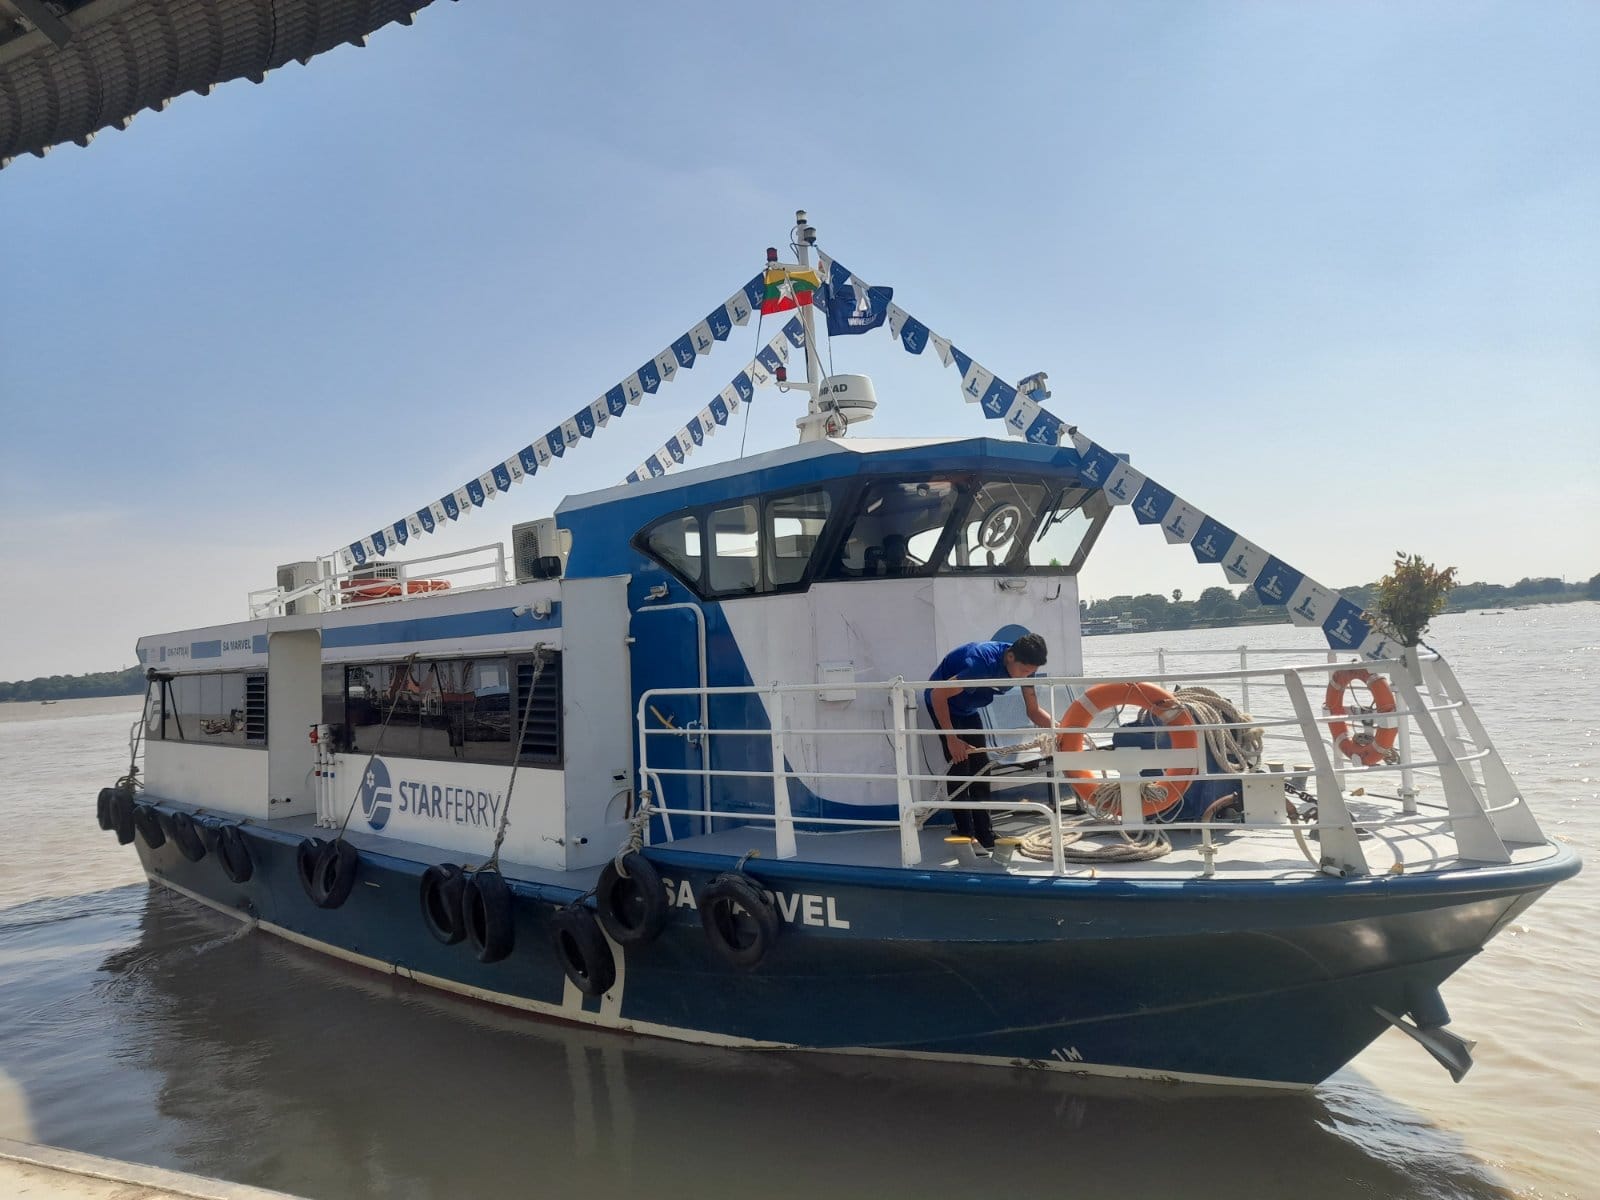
(1030,649)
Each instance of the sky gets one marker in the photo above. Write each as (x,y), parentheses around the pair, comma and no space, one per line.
(1330,272)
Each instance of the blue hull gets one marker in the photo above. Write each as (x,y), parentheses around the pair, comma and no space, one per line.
(1271,983)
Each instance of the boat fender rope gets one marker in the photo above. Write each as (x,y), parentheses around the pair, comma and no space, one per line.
(582,950)
(541,656)
(739,919)
(631,900)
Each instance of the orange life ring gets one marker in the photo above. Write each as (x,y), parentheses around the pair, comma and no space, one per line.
(388,589)
(1369,753)
(1151,699)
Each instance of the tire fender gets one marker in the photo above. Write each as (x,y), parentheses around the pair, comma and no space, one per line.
(632,907)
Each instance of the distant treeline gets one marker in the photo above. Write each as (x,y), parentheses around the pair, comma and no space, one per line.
(1219,606)
(75,687)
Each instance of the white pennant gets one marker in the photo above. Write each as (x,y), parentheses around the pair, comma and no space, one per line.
(1243,562)
(440,517)
(780,346)
(700,338)
(666,365)
(664,460)
(757,372)
(631,388)
(897,320)
(708,421)
(1021,417)
(975,383)
(349,559)
(513,466)
(463,501)
(414,525)
(942,346)
(738,307)
(1123,484)
(368,548)
(1183,519)
(486,482)
(570,433)
(1082,441)
(600,411)
(1310,603)
(730,397)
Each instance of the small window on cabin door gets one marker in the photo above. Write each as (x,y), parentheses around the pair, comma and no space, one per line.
(734,551)
(677,544)
(793,525)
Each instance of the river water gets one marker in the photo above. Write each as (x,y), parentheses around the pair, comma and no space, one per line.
(136,1024)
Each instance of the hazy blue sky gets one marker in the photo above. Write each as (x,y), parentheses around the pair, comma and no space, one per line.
(1332,272)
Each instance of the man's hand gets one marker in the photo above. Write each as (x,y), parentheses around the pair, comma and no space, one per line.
(958,748)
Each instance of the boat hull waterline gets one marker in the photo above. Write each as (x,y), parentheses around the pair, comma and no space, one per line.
(1242,982)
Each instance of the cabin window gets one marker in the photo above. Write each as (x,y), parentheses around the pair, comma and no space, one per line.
(458,709)
(734,561)
(793,526)
(996,527)
(677,544)
(896,529)
(1068,529)
(213,708)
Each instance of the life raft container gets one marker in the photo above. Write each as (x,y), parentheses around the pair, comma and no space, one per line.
(1159,703)
(1370,749)
(355,590)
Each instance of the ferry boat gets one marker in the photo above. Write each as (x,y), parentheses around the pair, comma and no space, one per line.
(673,771)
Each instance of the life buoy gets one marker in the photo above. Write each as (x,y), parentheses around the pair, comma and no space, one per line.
(739,918)
(234,853)
(334,873)
(186,837)
(1159,702)
(632,907)
(582,951)
(486,915)
(102,808)
(389,589)
(1368,749)
(148,822)
(306,855)
(440,894)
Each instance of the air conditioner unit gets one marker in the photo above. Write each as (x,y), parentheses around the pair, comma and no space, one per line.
(539,550)
(292,576)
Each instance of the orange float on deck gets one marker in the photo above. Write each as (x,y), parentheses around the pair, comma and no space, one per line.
(1158,701)
(389,589)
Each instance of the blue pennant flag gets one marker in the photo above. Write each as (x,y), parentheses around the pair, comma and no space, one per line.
(1096,464)
(425,519)
(962,361)
(530,460)
(649,376)
(721,323)
(996,402)
(475,493)
(502,477)
(1346,627)
(719,410)
(1046,429)
(1277,581)
(742,385)
(585,420)
(674,449)
(357,553)
(1211,541)
(795,331)
(683,351)
(1151,504)
(451,509)
(696,431)
(847,315)
(377,540)
(755,290)
(914,335)
(633,477)
(401,535)
(838,278)
(656,469)
(617,401)
(768,358)
(556,442)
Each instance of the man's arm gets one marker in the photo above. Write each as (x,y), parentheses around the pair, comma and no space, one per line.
(1036,714)
(941,717)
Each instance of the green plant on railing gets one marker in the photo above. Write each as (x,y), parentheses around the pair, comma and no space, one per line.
(1409,597)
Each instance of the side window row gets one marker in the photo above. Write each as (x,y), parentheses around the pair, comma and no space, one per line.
(213,708)
(745,547)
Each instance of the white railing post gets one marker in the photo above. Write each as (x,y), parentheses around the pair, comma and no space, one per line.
(1341,848)
(910,839)
(783,818)
(1244,680)
(1513,824)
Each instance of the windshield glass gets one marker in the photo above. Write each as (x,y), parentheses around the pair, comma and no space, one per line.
(895,529)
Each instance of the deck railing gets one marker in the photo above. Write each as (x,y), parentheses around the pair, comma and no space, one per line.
(1442,776)
(456,571)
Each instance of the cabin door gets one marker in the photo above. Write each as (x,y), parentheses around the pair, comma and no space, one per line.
(669,651)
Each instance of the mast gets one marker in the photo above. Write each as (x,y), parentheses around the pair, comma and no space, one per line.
(805,237)
(836,402)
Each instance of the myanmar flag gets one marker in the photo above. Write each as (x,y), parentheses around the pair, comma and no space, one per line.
(788,287)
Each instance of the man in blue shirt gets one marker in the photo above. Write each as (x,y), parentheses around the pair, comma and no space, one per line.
(956,712)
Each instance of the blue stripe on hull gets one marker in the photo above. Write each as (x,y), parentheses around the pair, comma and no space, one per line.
(1280,991)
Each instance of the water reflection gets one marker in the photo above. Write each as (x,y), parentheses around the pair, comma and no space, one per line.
(151,1029)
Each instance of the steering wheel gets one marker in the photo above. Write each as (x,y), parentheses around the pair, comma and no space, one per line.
(1000,525)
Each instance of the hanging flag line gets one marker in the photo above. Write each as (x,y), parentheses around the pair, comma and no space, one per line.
(758,372)
(538,454)
(1245,564)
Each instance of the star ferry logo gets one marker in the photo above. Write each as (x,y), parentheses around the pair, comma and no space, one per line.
(377,796)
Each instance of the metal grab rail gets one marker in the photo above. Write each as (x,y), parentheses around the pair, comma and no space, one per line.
(1480,809)
(338,588)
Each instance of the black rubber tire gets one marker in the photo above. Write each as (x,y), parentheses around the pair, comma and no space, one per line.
(122,816)
(440,895)
(148,822)
(486,915)
(186,836)
(233,851)
(102,808)
(336,868)
(740,921)
(305,866)
(633,909)
(582,950)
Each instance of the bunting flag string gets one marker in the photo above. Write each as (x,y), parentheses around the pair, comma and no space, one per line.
(758,372)
(681,355)
(1309,604)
